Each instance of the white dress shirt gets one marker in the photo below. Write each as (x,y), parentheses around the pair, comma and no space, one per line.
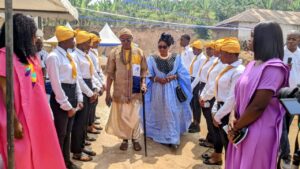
(209,89)
(294,72)
(225,90)
(83,71)
(60,71)
(93,53)
(201,77)
(187,57)
(197,64)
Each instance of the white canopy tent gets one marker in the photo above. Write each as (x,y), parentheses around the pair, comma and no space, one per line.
(44,8)
(53,40)
(108,37)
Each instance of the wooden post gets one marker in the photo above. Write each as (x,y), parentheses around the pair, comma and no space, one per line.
(9,82)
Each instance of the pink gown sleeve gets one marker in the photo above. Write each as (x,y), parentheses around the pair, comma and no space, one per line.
(271,79)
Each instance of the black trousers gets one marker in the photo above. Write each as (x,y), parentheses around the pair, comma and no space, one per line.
(63,123)
(92,116)
(195,105)
(221,139)
(79,131)
(209,121)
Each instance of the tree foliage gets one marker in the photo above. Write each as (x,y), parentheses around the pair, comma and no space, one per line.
(201,12)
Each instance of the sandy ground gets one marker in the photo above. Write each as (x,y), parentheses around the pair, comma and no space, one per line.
(159,157)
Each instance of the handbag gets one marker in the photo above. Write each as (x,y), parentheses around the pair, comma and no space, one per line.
(180,94)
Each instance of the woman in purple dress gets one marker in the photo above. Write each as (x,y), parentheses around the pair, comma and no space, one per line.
(257,106)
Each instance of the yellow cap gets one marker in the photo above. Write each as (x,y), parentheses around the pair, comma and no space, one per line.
(210,44)
(95,38)
(125,31)
(63,33)
(82,36)
(218,44)
(197,44)
(231,45)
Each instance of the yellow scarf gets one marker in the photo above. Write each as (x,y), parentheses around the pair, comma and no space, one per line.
(74,71)
(226,69)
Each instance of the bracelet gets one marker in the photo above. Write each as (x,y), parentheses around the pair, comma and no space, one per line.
(154,79)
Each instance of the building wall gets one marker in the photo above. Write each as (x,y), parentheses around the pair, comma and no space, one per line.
(245,34)
(220,33)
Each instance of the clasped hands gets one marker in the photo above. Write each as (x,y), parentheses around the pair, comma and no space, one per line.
(232,130)
(165,80)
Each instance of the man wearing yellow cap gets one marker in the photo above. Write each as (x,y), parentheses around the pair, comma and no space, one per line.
(93,53)
(197,62)
(127,69)
(207,97)
(66,97)
(224,94)
(201,77)
(90,87)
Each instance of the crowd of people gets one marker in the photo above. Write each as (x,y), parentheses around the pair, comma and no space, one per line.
(243,116)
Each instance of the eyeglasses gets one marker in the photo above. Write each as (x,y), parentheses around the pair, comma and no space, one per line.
(162,47)
(125,40)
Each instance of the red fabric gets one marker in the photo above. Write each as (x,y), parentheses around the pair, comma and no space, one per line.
(39,149)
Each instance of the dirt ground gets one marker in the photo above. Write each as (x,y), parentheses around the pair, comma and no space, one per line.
(159,157)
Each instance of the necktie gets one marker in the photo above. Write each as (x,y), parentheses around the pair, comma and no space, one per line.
(91,64)
(94,53)
(192,65)
(226,69)
(96,56)
(207,59)
(74,71)
(211,68)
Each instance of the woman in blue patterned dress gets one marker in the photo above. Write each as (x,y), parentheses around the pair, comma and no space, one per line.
(167,117)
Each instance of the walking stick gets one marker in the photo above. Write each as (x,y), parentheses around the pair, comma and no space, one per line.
(144,121)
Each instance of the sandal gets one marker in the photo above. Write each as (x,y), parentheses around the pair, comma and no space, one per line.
(98,127)
(89,152)
(210,162)
(206,144)
(82,157)
(87,143)
(93,131)
(202,140)
(90,139)
(136,146)
(174,146)
(124,146)
(71,165)
(97,117)
(206,156)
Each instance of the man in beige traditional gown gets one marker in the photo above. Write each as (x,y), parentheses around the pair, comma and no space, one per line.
(126,69)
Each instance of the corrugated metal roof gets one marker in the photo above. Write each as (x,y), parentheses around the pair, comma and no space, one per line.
(258,15)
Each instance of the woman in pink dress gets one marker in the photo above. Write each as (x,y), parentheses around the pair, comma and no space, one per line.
(36,143)
(257,106)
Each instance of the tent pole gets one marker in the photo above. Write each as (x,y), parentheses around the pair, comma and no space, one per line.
(9,82)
